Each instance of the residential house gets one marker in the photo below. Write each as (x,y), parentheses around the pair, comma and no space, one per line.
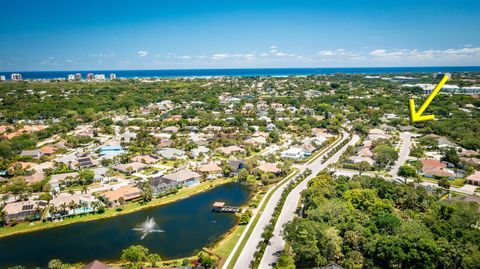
(183,177)
(230,150)
(47,150)
(58,180)
(293,153)
(269,168)
(474,179)
(128,193)
(236,165)
(171,153)
(210,170)
(200,150)
(96,265)
(433,168)
(271,127)
(18,211)
(170,129)
(130,168)
(63,201)
(145,158)
(375,134)
(34,153)
(161,184)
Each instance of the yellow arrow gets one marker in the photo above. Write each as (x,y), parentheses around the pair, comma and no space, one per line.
(417,116)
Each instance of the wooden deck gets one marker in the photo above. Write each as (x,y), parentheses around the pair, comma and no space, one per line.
(220,207)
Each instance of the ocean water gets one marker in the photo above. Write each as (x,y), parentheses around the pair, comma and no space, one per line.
(247,72)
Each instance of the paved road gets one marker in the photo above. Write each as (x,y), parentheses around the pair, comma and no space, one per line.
(277,243)
(403,154)
(249,249)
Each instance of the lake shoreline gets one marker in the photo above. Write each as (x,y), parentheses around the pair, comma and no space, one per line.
(202,187)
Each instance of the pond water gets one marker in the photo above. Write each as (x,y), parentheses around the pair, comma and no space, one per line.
(187,226)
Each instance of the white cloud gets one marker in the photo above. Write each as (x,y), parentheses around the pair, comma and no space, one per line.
(142,53)
(184,57)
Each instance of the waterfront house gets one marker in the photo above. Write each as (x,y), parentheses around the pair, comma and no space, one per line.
(128,193)
(63,204)
(161,184)
(210,170)
(19,211)
(236,166)
(183,177)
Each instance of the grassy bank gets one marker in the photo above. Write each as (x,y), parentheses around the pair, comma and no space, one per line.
(183,193)
(255,220)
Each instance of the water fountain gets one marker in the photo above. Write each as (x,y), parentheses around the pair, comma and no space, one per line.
(148,226)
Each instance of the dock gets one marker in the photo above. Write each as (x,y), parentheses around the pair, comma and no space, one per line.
(220,207)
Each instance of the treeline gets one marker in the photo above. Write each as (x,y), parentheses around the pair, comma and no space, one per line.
(371,223)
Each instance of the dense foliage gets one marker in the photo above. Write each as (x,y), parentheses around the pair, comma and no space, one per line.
(369,222)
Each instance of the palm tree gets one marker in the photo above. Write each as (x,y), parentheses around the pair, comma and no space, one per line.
(84,189)
(72,205)
(63,206)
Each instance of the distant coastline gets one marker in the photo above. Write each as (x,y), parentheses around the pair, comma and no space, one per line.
(242,72)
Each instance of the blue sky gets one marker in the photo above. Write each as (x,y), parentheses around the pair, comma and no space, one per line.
(156,34)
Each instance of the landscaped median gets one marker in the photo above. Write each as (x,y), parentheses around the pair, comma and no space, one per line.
(183,193)
(254,221)
(265,201)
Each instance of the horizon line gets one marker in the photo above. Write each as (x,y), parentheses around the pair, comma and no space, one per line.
(243,68)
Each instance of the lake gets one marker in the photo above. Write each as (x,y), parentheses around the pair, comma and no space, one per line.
(188,226)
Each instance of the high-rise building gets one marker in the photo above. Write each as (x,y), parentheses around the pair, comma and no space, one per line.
(16,76)
(78,76)
(99,76)
(90,76)
(439,75)
(113,76)
(71,77)
(2,78)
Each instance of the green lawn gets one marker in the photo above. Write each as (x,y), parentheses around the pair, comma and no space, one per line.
(255,220)
(111,212)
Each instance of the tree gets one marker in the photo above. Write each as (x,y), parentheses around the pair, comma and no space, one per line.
(451,156)
(285,261)
(245,217)
(444,183)
(147,192)
(86,177)
(206,260)
(242,175)
(135,254)
(363,166)
(384,154)
(154,258)
(407,171)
